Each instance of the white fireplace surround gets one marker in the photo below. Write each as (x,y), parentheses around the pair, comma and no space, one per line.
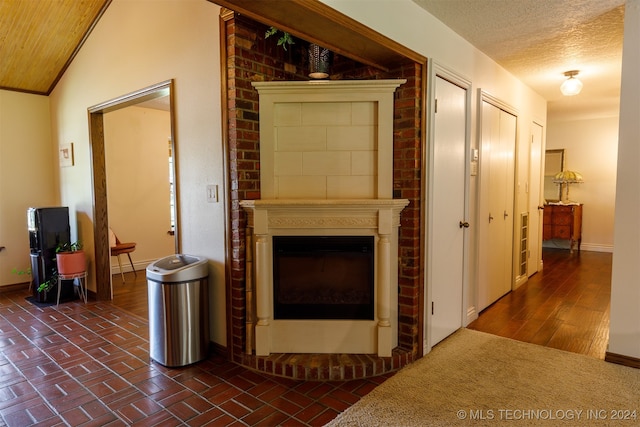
(326,169)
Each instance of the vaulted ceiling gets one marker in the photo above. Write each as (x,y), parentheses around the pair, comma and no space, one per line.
(38,40)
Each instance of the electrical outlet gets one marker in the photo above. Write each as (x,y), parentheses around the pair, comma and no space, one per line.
(212,193)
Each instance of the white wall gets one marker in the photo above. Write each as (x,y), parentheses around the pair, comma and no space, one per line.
(624,333)
(412,26)
(27,162)
(137,162)
(137,44)
(591,148)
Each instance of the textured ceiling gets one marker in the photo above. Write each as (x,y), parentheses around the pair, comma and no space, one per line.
(538,40)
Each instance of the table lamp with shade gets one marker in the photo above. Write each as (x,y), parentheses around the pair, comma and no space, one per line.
(566,178)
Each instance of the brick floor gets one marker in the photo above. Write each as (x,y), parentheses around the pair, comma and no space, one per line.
(88,364)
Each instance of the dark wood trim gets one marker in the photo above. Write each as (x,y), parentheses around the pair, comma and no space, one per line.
(14,287)
(217,349)
(620,359)
(226,15)
(423,206)
(99,177)
(320,24)
(100,219)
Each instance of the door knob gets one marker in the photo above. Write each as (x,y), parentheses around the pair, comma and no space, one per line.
(490,217)
(505,214)
(464,224)
(540,208)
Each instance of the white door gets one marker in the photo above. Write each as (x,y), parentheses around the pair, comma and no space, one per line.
(447,210)
(535,201)
(498,149)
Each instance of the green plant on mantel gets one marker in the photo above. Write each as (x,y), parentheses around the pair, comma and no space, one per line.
(284,40)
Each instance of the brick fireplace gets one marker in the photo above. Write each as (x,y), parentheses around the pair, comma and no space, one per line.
(252,59)
(326,151)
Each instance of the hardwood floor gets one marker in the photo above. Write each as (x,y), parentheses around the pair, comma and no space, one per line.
(565,306)
(131,295)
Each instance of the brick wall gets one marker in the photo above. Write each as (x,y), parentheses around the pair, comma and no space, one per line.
(250,57)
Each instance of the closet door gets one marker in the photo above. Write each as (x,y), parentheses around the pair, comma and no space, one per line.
(498,148)
(447,210)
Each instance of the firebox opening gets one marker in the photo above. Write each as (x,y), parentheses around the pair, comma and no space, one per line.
(323,277)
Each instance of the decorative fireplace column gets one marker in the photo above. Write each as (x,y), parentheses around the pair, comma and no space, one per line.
(326,169)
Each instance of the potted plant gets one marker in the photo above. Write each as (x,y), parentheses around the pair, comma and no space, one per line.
(70,259)
(320,58)
(284,40)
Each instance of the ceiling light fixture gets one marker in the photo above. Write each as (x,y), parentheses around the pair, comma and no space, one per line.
(571,86)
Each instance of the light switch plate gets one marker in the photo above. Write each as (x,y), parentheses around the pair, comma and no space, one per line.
(212,193)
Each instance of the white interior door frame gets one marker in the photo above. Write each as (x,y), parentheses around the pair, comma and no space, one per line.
(535,204)
(437,70)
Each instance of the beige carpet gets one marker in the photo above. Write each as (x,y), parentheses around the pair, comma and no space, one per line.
(476,379)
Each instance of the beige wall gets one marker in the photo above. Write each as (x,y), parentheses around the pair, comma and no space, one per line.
(137,44)
(591,148)
(27,162)
(137,159)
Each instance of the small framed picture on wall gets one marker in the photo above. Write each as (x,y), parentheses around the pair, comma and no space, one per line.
(66,154)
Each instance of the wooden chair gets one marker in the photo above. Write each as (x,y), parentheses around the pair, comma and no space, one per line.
(118,248)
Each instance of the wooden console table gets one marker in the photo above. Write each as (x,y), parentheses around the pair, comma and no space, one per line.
(563,222)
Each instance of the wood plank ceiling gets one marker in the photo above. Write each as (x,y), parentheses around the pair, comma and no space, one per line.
(39,39)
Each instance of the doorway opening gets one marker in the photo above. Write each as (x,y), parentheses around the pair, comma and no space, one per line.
(104,289)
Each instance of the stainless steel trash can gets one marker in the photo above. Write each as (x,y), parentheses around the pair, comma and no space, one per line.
(178,310)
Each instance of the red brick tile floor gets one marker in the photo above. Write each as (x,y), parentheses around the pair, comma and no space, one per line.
(88,365)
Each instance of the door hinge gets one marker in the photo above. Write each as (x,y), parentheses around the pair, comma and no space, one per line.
(435,108)
(432,308)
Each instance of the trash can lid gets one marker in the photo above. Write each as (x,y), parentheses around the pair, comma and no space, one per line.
(178,268)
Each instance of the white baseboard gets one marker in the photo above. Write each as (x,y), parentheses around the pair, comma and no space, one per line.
(126,267)
(564,244)
(594,247)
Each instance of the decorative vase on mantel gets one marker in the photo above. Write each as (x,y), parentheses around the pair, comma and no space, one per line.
(320,59)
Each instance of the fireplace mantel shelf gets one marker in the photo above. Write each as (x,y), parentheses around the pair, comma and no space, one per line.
(269,214)
(314,203)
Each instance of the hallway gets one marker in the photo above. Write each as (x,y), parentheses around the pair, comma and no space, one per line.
(565,306)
